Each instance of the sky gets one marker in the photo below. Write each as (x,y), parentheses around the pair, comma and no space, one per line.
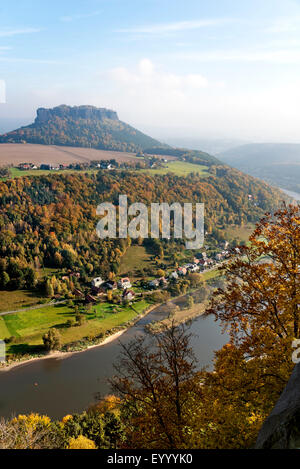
(172,68)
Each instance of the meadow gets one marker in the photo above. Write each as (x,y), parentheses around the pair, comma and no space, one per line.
(28,327)
(15,172)
(180,168)
(17,299)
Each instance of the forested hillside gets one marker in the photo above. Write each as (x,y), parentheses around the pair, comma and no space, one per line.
(49,221)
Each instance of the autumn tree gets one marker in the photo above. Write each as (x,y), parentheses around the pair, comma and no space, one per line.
(259,306)
(156,379)
(52,340)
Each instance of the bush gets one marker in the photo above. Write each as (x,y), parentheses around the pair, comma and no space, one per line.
(10,340)
(70,323)
(52,340)
(80,319)
(81,442)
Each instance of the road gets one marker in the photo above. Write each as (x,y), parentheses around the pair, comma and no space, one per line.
(51,303)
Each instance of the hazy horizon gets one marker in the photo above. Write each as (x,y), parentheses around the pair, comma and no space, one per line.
(188,70)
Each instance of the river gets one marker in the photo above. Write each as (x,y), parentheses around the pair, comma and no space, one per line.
(295,195)
(57,387)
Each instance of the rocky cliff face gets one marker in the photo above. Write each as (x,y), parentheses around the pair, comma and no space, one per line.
(75,113)
(281,430)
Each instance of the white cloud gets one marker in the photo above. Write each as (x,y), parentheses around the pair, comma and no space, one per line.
(148,80)
(189,104)
(16,32)
(150,95)
(70,18)
(175,26)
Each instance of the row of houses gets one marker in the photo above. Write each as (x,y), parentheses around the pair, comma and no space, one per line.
(100,287)
(48,167)
(58,167)
(201,262)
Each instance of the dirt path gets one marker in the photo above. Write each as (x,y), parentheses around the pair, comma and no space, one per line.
(52,303)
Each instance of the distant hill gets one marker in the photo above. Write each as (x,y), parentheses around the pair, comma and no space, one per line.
(276,163)
(209,145)
(98,128)
(81,126)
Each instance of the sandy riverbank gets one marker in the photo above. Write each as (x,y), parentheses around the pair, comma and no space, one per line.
(61,355)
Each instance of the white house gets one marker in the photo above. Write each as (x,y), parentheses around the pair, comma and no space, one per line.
(154,283)
(96,282)
(128,295)
(174,275)
(124,283)
(193,268)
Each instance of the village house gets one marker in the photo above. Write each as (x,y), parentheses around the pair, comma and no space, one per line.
(75,274)
(201,255)
(98,291)
(96,282)
(90,299)
(203,263)
(109,285)
(182,270)
(78,293)
(128,295)
(163,282)
(105,165)
(124,283)
(210,262)
(26,166)
(154,283)
(193,268)
(173,275)
(49,167)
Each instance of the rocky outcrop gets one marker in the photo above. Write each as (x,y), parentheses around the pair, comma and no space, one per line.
(281,430)
(75,113)
(81,126)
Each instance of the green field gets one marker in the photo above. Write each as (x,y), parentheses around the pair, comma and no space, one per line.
(135,258)
(180,168)
(240,232)
(17,299)
(4,332)
(29,326)
(211,274)
(15,172)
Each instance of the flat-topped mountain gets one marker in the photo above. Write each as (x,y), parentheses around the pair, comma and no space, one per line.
(81,126)
(74,112)
(98,128)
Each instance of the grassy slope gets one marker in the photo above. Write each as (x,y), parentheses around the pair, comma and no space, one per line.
(136,257)
(181,168)
(30,326)
(14,300)
(15,172)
